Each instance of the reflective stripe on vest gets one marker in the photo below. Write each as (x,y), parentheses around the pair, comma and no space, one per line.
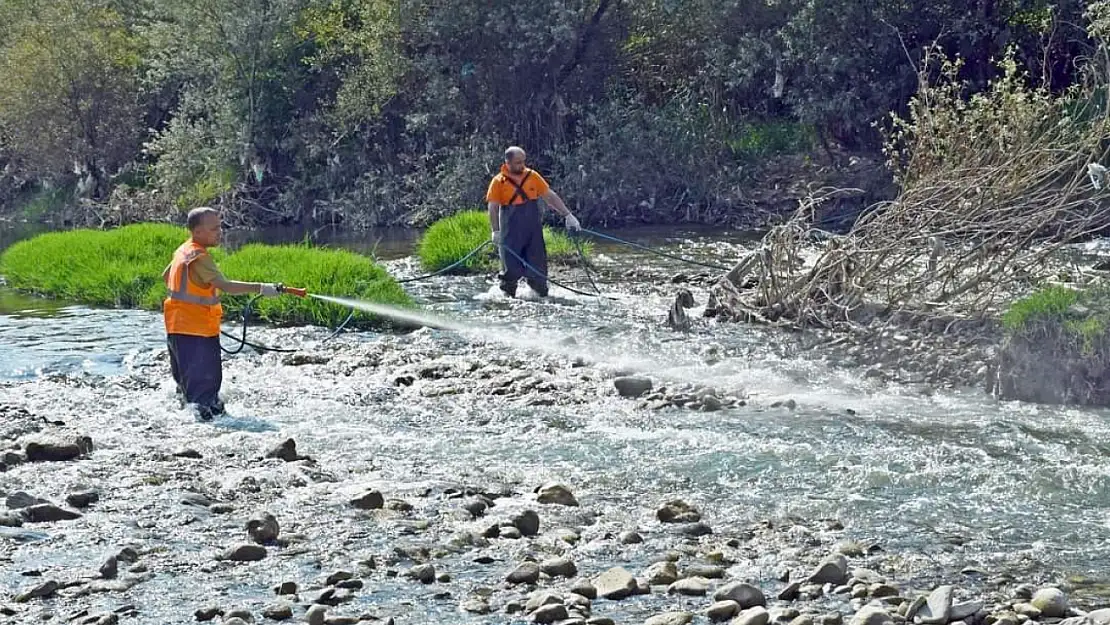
(181,293)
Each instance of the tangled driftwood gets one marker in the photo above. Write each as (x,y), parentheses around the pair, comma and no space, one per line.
(992,190)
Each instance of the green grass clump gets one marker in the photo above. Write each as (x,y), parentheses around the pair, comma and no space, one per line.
(123,268)
(451,238)
(1047,304)
(1082,315)
(324,272)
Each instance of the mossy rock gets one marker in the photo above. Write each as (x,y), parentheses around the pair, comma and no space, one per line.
(1057,348)
(450,239)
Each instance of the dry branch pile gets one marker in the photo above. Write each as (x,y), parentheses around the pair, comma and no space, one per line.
(993,186)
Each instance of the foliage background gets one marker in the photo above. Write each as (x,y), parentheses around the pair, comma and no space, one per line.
(397,111)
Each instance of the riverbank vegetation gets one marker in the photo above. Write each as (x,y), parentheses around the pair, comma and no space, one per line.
(123,267)
(396,112)
(450,239)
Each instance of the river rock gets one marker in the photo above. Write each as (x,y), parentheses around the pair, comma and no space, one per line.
(550,613)
(540,598)
(832,570)
(661,574)
(670,618)
(245,553)
(694,530)
(476,506)
(110,568)
(509,532)
(616,583)
(208,613)
(286,588)
(631,386)
(528,522)
(937,607)
(677,511)
(631,538)
(187,452)
(879,591)
(263,529)
(278,612)
(967,609)
(82,499)
(584,588)
(690,587)
(600,620)
(708,571)
(722,610)
(525,573)
(235,620)
(372,500)
(753,616)
(57,452)
(744,594)
(286,451)
(1051,602)
(559,567)
(241,614)
(19,500)
(1028,609)
(42,591)
(315,615)
(790,592)
(556,494)
(871,615)
(342,576)
(48,513)
(423,573)
(476,605)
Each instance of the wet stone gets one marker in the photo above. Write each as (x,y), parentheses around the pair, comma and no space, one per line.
(278,612)
(528,522)
(372,500)
(245,553)
(48,513)
(20,499)
(677,511)
(525,573)
(263,529)
(82,499)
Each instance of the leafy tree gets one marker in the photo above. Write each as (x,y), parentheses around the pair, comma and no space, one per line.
(70,101)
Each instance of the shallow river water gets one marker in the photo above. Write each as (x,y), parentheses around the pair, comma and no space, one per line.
(942,483)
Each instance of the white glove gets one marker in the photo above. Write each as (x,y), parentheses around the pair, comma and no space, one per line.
(572,222)
(269,290)
(495,236)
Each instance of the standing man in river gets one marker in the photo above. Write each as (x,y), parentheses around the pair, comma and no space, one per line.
(516,225)
(192,312)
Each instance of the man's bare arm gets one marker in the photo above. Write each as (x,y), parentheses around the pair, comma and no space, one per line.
(232,287)
(554,201)
(494,216)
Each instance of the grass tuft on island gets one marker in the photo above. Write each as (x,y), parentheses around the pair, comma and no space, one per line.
(123,268)
(451,238)
(1080,314)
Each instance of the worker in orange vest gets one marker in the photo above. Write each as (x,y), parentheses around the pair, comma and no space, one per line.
(192,312)
(516,224)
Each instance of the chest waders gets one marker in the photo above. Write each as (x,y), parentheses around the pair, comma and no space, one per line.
(522,232)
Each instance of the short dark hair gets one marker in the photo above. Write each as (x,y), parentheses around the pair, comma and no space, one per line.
(197,215)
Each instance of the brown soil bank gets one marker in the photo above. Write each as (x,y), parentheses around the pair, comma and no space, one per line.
(1056,349)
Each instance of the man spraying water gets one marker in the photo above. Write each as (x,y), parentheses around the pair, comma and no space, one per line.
(514,219)
(192,312)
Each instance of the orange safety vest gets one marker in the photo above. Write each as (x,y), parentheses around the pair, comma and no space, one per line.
(190,309)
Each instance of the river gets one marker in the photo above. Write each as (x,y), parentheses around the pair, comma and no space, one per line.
(953,486)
